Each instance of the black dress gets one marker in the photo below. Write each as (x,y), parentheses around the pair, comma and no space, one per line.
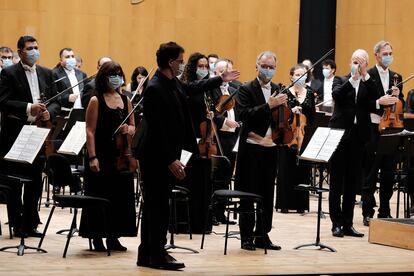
(289,173)
(109,183)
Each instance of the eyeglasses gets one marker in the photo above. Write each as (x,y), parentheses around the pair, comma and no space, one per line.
(5,57)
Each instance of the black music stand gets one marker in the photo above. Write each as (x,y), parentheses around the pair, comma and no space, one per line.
(75,115)
(22,246)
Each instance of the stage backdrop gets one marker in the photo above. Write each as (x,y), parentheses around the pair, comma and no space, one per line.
(131,34)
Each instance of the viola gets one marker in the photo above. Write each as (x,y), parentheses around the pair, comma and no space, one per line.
(298,127)
(125,160)
(392,116)
(282,129)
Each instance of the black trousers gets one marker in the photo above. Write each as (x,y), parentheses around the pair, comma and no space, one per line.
(257,173)
(375,161)
(23,214)
(345,175)
(157,187)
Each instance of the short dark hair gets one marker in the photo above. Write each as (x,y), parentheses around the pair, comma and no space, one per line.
(107,69)
(64,49)
(213,56)
(5,49)
(329,62)
(23,39)
(140,70)
(166,52)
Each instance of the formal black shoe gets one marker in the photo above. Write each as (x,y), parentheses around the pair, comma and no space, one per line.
(352,232)
(34,233)
(166,262)
(366,220)
(143,262)
(337,232)
(215,222)
(259,243)
(384,216)
(248,245)
(98,245)
(115,245)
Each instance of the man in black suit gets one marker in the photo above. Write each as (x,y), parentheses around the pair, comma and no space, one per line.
(22,85)
(257,154)
(71,76)
(324,94)
(169,130)
(385,79)
(90,86)
(351,113)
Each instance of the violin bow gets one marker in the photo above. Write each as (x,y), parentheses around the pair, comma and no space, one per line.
(389,91)
(141,83)
(207,101)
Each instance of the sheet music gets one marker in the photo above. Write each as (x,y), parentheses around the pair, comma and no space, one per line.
(75,140)
(323,144)
(28,144)
(185,157)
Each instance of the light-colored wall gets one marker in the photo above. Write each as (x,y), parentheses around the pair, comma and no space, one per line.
(362,23)
(131,34)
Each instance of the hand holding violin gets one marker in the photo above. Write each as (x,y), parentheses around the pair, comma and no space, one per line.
(94,165)
(126,129)
(277,100)
(297,110)
(387,100)
(36,109)
(177,169)
(231,123)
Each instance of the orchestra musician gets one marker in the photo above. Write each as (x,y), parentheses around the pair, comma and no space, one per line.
(22,86)
(257,154)
(301,101)
(385,79)
(351,113)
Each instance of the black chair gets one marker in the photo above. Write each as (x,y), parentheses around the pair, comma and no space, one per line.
(5,196)
(181,194)
(231,199)
(60,176)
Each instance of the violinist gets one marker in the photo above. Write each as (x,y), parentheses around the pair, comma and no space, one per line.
(385,79)
(257,153)
(21,86)
(227,127)
(351,113)
(103,177)
(302,103)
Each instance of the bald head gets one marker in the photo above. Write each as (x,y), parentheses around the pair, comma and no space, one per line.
(220,67)
(360,53)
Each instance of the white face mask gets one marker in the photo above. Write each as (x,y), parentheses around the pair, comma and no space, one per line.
(326,72)
(70,63)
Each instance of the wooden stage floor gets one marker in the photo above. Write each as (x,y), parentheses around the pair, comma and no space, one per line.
(354,255)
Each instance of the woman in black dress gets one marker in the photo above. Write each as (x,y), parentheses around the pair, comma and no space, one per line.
(290,174)
(106,111)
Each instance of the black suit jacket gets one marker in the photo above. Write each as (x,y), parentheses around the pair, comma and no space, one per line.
(347,107)
(87,93)
(58,73)
(15,95)
(253,111)
(374,74)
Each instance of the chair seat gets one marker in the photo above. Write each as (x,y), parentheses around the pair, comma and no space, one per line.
(181,190)
(226,194)
(80,201)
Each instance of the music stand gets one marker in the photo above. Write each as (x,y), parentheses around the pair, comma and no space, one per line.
(21,246)
(76,114)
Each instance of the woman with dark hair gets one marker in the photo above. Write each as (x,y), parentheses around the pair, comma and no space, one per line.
(105,112)
(138,74)
(301,102)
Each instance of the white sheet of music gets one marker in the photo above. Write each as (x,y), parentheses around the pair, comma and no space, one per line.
(185,157)
(323,144)
(28,144)
(75,140)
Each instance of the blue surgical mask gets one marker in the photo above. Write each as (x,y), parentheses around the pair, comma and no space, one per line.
(211,66)
(115,81)
(181,68)
(301,81)
(326,72)
(266,75)
(7,62)
(354,68)
(33,56)
(201,73)
(70,63)
(387,60)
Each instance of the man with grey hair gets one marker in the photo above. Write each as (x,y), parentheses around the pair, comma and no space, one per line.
(257,154)
(6,55)
(385,80)
(351,113)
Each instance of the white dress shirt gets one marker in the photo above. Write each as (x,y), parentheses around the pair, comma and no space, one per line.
(74,81)
(327,91)
(230,114)
(31,76)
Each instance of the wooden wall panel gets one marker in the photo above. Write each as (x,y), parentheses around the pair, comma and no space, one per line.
(131,34)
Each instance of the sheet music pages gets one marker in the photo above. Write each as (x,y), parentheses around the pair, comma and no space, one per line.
(323,144)
(185,157)
(28,144)
(75,140)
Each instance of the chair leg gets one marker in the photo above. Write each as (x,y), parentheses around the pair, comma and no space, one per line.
(46,226)
(90,244)
(10,227)
(139,213)
(209,213)
(70,234)
(227,232)
(188,218)
(263,234)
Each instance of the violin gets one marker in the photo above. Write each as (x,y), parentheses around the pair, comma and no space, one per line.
(49,146)
(225,103)
(391,117)
(298,127)
(282,129)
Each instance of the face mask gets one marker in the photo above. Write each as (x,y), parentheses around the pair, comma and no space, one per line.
(326,72)
(266,75)
(301,81)
(387,60)
(354,68)
(181,67)
(201,73)
(7,62)
(115,81)
(70,63)
(211,66)
(33,56)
